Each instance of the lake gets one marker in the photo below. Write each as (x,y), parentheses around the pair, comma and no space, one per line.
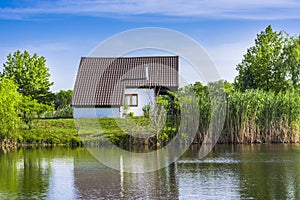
(228,172)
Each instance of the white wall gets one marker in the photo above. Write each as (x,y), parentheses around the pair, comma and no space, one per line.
(145,96)
(91,112)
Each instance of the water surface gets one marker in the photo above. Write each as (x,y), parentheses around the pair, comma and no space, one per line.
(228,172)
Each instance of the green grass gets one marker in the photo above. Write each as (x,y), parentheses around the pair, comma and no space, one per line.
(50,132)
(73,131)
(110,129)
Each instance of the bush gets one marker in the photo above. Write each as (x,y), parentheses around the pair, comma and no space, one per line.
(48,114)
(9,101)
(146,110)
(131,114)
(65,112)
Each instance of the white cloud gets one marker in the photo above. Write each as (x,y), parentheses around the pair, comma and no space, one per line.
(254,9)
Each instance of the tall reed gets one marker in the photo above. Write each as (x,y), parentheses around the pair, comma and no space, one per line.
(253,116)
(260,116)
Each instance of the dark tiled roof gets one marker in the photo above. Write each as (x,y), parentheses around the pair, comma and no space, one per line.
(101,81)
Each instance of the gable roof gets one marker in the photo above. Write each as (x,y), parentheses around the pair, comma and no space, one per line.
(101,81)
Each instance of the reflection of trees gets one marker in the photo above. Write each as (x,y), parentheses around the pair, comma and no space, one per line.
(270,173)
(36,173)
(262,172)
(245,171)
(24,173)
(8,173)
(242,171)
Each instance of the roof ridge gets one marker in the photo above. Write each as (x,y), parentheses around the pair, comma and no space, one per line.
(126,57)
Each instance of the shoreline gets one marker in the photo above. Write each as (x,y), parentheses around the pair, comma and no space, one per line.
(140,149)
(62,132)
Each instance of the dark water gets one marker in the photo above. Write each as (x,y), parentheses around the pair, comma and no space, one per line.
(229,172)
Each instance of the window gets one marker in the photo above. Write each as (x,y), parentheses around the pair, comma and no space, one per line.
(131,99)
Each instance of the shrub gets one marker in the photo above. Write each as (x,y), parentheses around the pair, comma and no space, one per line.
(65,112)
(146,110)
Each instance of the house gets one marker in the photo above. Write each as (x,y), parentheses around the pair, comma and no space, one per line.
(104,85)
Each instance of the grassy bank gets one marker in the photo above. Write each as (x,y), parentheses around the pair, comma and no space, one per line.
(252,117)
(124,131)
(49,132)
(45,133)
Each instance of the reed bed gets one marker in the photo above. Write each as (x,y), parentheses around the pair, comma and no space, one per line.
(255,116)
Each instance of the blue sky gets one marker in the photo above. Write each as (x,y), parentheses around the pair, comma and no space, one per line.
(65,30)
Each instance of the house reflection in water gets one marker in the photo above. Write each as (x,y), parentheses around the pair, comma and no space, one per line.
(94,180)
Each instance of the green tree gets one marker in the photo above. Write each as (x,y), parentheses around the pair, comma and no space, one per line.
(30,109)
(62,99)
(200,89)
(30,74)
(291,60)
(9,100)
(262,66)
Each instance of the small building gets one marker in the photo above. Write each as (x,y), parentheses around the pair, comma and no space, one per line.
(105,86)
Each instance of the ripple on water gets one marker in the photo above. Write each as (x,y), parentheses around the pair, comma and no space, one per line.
(219,160)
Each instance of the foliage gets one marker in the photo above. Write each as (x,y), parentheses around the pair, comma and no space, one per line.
(62,99)
(126,109)
(48,114)
(31,109)
(30,74)
(204,102)
(146,110)
(65,112)
(251,116)
(130,114)
(291,60)
(10,100)
(159,117)
(263,65)
(270,112)
(256,115)
(173,107)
